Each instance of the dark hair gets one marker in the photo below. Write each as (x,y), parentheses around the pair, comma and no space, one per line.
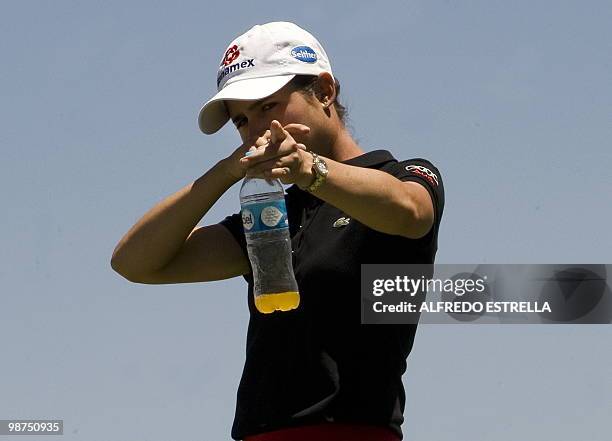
(309,86)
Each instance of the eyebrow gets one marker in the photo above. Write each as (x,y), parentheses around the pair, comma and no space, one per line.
(255,104)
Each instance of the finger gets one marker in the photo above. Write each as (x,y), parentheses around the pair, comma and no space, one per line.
(259,146)
(297,129)
(277,132)
(258,176)
(261,167)
(249,152)
(263,139)
(253,174)
(255,151)
(282,173)
(271,151)
(260,155)
(261,142)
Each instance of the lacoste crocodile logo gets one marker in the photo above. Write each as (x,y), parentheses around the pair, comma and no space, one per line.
(341,222)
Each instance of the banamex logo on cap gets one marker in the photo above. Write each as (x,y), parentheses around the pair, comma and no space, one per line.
(226,67)
(304,53)
(230,55)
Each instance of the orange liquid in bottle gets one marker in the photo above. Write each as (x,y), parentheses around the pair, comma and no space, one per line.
(279,301)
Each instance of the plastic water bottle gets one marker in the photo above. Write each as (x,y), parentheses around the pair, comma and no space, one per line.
(266,227)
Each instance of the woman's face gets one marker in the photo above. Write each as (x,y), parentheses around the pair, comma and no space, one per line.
(253,118)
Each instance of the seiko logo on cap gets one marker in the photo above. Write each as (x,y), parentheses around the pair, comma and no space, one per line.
(304,53)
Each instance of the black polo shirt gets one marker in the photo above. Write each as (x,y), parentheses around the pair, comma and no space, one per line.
(318,363)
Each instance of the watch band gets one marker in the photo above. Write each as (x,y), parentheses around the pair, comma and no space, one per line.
(317,169)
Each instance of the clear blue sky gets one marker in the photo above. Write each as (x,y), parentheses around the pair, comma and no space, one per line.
(99,99)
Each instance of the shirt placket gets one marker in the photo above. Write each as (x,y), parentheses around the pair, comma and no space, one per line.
(309,209)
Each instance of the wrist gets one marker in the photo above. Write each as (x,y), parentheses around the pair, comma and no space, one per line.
(307,176)
(228,168)
(316,174)
(307,180)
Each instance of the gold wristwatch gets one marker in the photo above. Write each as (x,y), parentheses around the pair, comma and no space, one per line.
(319,170)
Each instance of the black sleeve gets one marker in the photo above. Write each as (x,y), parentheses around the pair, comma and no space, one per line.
(233,223)
(425,173)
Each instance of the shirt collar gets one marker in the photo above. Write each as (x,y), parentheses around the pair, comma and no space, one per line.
(368,159)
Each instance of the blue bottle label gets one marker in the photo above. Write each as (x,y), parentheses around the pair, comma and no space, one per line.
(264,216)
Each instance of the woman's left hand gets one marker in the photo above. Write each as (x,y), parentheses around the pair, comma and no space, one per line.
(282,158)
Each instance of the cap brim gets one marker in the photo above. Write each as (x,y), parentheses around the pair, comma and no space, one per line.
(213,114)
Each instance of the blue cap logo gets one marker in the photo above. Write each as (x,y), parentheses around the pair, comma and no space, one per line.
(304,53)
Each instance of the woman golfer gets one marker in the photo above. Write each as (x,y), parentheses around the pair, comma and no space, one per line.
(313,373)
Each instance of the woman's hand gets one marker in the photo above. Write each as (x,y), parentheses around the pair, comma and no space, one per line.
(281,158)
(238,168)
(234,166)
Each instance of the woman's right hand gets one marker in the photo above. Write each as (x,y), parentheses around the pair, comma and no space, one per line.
(237,169)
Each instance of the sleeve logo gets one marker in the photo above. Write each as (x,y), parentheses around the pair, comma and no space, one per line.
(424,172)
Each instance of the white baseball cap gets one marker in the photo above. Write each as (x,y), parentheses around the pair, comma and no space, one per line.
(259,63)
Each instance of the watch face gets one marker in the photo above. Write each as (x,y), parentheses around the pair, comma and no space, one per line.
(321,167)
